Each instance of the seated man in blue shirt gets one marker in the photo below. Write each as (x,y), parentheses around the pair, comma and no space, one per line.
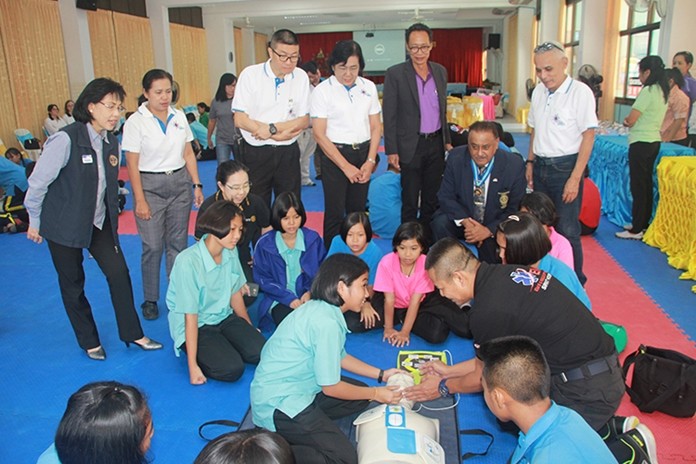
(200,132)
(516,385)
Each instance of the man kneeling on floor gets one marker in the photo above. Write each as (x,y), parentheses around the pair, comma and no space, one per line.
(517,300)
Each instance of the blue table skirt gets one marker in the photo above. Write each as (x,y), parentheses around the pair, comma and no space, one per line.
(609,170)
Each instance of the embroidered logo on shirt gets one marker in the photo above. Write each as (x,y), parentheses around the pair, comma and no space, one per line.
(504,199)
(524,277)
(113,160)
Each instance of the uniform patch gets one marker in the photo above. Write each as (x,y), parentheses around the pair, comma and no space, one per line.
(523,276)
(113,160)
(503,198)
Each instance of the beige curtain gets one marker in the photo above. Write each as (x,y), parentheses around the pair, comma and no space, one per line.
(514,85)
(35,64)
(103,42)
(238,50)
(8,122)
(260,47)
(190,57)
(135,54)
(611,60)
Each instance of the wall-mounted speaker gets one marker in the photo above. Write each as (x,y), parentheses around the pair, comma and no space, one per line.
(493,41)
(87,4)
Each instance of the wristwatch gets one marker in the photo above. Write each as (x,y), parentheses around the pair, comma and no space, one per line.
(200,186)
(442,388)
(272,129)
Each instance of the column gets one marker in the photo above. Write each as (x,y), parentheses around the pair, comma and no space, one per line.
(78,48)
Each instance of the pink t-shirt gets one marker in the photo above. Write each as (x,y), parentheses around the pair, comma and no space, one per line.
(390,279)
(561,249)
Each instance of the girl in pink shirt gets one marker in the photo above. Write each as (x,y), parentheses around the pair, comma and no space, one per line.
(404,294)
(541,206)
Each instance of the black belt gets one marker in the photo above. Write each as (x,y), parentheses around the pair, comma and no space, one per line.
(167,173)
(548,160)
(430,135)
(589,369)
(354,146)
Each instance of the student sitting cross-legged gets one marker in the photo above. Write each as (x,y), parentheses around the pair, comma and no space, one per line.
(207,316)
(298,388)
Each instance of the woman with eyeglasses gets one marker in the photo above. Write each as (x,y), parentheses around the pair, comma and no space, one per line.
(233,185)
(53,122)
(72,202)
(346,123)
(163,169)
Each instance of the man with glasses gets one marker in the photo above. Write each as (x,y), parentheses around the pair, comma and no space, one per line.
(271,107)
(415,126)
(563,121)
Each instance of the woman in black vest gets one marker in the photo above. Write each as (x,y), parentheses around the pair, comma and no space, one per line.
(73,203)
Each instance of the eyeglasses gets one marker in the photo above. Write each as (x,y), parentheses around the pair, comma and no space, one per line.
(286,58)
(546,47)
(112,106)
(420,48)
(239,188)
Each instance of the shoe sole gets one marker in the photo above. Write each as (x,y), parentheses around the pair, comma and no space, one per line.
(630,423)
(649,440)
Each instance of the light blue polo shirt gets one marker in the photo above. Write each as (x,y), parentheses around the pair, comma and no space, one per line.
(291,256)
(372,255)
(198,285)
(50,456)
(561,435)
(302,355)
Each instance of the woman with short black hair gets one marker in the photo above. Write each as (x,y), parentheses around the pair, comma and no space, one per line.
(72,202)
(346,123)
(220,116)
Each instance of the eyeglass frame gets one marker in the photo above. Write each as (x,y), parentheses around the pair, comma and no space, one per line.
(286,58)
(112,106)
(419,48)
(547,47)
(239,188)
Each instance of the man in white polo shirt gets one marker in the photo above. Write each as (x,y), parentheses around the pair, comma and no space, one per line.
(271,107)
(563,121)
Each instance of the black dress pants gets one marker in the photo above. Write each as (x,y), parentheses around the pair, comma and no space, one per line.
(272,169)
(312,434)
(420,181)
(71,278)
(641,163)
(340,196)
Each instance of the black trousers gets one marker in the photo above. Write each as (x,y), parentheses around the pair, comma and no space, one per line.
(641,163)
(280,312)
(437,316)
(442,227)
(420,181)
(225,347)
(272,169)
(314,438)
(71,278)
(340,196)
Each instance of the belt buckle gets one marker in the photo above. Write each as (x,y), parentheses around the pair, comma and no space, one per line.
(564,378)
(355,146)
(169,173)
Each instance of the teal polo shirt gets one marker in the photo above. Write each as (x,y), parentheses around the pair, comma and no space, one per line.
(303,354)
(291,256)
(198,285)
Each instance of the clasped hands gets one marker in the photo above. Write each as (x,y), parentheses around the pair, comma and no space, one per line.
(474,231)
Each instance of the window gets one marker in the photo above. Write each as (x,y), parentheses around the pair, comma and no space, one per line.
(639,37)
(571,35)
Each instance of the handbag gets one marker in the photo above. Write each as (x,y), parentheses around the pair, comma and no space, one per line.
(663,380)
(31,144)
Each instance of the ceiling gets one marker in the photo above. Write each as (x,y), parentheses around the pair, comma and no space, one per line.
(333,15)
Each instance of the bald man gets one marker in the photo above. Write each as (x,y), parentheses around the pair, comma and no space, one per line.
(563,121)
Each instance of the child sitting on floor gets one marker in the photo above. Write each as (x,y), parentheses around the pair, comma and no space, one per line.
(405,294)
(207,316)
(355,237)
(298,387)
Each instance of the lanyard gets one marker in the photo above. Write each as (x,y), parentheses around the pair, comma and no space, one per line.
(480,178)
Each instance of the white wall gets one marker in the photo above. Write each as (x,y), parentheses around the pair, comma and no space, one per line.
(220,40)
(78,49)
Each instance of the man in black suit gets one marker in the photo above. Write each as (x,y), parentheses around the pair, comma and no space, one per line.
(482,186)
(415,126)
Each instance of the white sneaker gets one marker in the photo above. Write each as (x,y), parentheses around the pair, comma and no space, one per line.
(627,226)
(630,235)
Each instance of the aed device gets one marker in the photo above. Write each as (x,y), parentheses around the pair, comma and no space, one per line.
(410,361)
(394,434)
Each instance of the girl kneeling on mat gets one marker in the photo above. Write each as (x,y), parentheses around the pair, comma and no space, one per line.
(298,388)
(207,316)
(403,289)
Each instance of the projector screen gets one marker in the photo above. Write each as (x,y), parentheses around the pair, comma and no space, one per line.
(384,49)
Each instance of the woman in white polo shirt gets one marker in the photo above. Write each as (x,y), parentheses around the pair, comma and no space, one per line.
(346,122)
(157,141)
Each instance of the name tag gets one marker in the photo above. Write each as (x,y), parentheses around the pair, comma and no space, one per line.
(87,159)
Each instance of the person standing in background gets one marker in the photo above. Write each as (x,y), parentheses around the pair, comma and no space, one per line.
(415,126)
(308,146)
(221,117)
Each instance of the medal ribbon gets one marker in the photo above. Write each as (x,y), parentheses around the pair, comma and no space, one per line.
(480,178)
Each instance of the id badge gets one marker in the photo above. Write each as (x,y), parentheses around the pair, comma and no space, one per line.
(87,159)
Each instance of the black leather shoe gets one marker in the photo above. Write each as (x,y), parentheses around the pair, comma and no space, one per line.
(151,345)
(150,310)
(98,354)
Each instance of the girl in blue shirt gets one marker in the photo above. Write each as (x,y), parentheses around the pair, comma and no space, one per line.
(355,237)
(298,388)
(286,259)
(207,316)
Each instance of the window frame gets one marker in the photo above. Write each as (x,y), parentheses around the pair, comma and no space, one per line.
(652,24)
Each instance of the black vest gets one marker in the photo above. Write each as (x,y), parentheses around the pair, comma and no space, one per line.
(67,214)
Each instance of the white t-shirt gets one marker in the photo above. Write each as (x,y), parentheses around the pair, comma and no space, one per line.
(269,99)
(559,118)
(159,152)
(347,112)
